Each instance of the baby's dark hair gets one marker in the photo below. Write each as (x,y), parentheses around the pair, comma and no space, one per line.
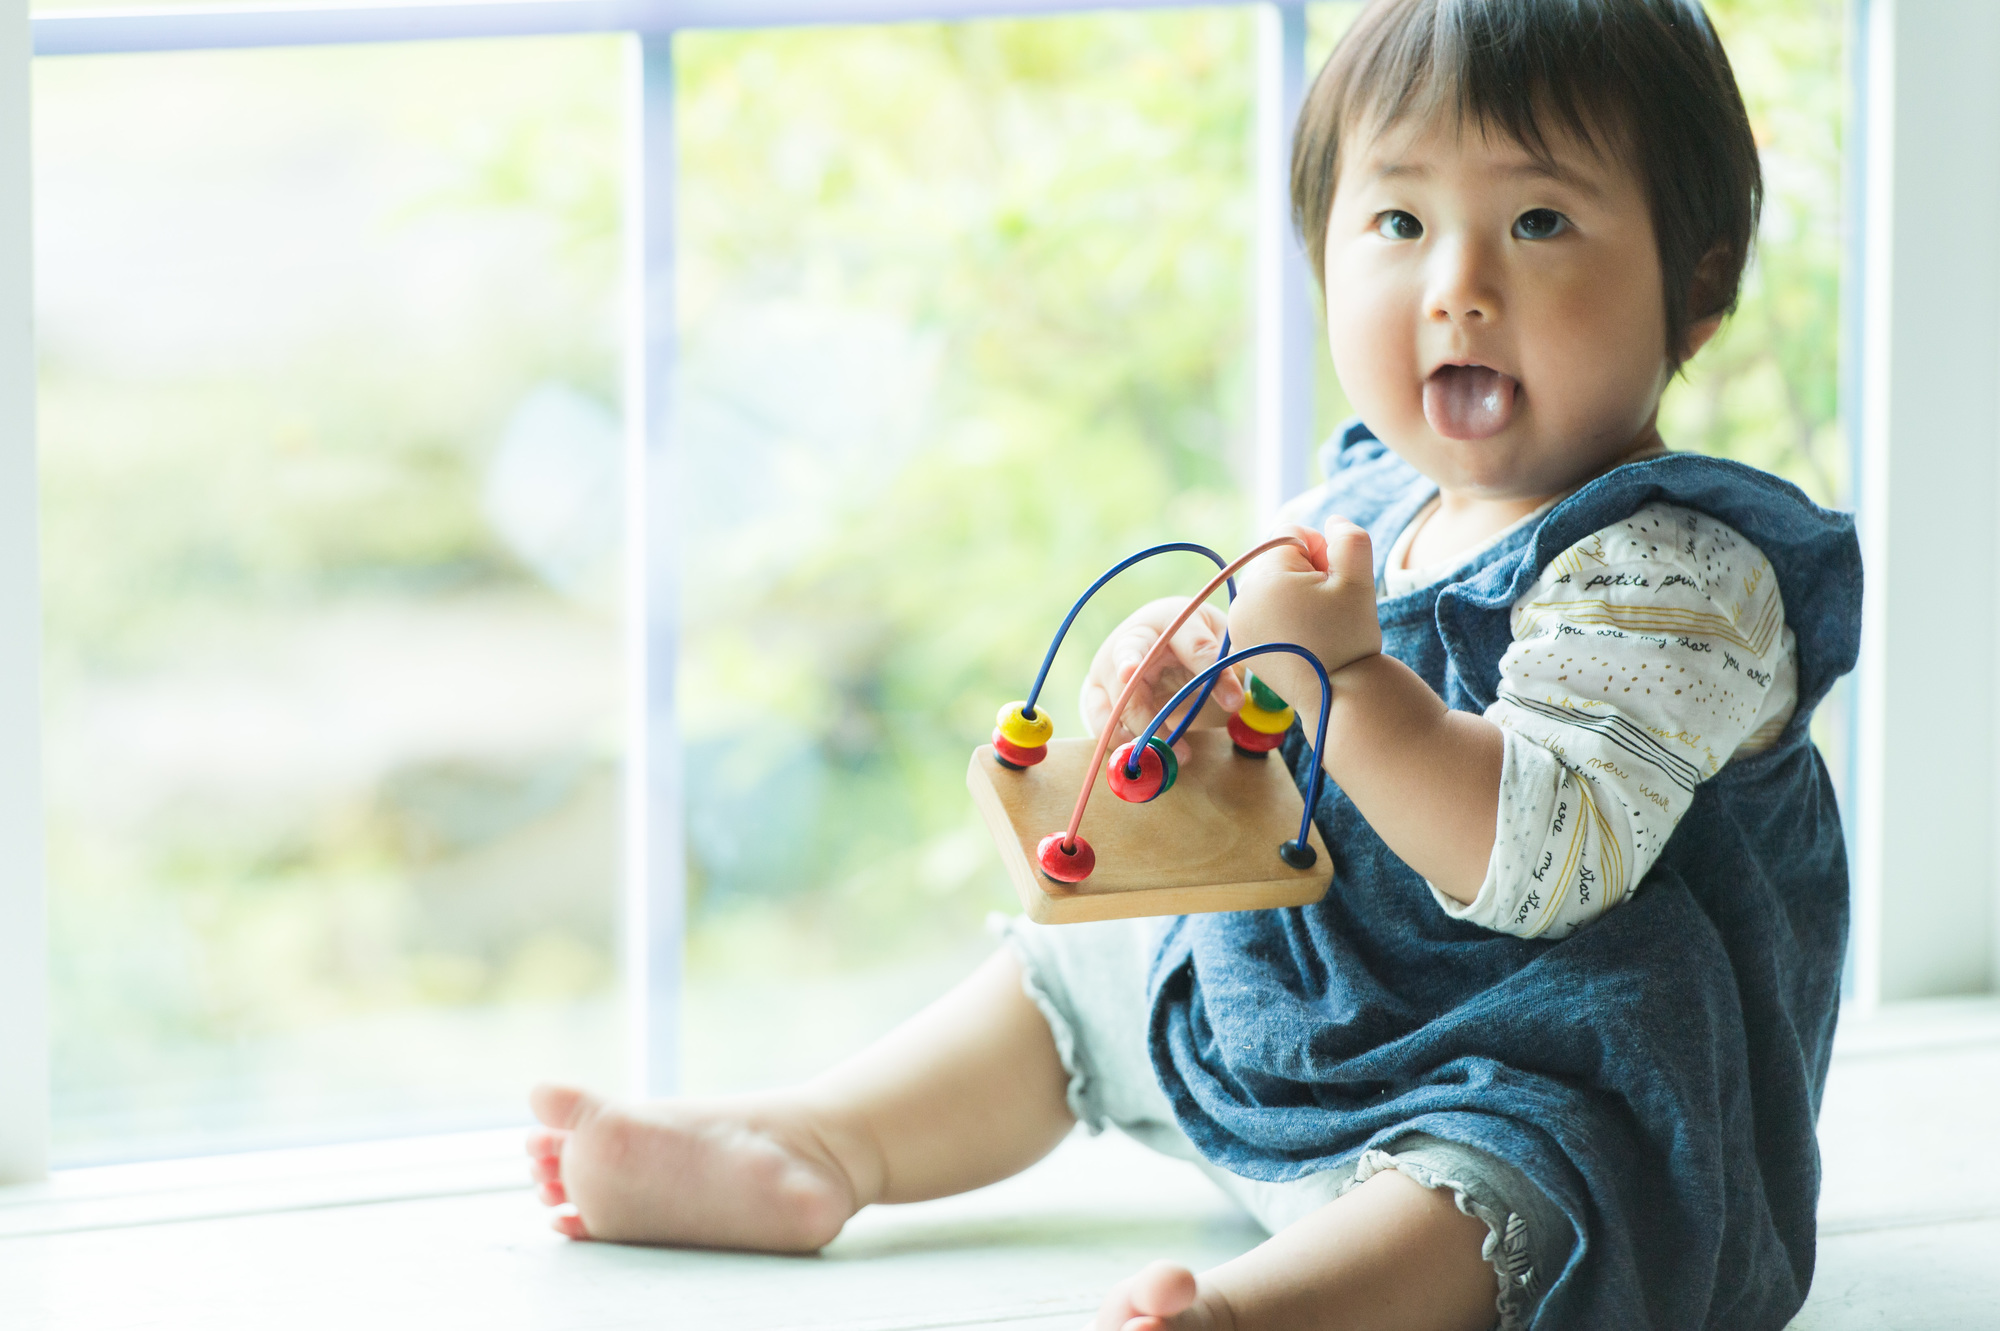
(1647,77)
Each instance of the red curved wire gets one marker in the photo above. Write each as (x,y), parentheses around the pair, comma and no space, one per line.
(1166,640)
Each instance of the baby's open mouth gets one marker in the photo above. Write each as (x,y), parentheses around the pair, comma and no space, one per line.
(1468,401)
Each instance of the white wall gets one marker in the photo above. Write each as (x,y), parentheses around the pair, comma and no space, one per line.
(24,1082)
(1929,799)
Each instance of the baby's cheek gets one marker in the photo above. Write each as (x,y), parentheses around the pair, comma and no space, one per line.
(1598,383)
(1597,348)
(1374,350)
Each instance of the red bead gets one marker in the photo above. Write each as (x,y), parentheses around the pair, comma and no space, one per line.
(1014,755)
(1066,866)
(1136,789)
(1254,741)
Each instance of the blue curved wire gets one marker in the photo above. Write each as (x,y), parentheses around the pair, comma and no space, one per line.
(1042,677)
(1202,701)
(1319,739)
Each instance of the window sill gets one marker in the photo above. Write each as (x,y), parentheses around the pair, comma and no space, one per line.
(1908,1113)
(1034,1253)
(441,1231)
(262,1182)
(1895,1071)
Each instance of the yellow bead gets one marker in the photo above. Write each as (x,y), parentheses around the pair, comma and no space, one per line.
(1020,730)
(1266,722)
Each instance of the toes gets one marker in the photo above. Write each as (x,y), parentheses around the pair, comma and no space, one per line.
(562,1106)
(545,1169)
(1163,1290)
(553,1193)
(546,1141)
(568,1225)
(1116,1309)
(1144,1302)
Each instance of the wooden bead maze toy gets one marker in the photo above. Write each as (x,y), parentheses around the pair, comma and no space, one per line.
(1222,828)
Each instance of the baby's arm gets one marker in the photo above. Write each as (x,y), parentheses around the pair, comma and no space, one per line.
(1426,778)
(1420,773)
(1645,657)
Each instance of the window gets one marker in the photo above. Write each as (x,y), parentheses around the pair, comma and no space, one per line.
(938,372)
(330,453)
(339,399)
(332,435)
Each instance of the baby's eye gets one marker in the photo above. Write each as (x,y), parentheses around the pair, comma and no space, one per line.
(1540,224)
(1398,225)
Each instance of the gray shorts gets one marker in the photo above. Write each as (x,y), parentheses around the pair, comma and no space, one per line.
(1089,980)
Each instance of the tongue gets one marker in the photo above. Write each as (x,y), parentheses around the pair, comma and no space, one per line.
(1468,401)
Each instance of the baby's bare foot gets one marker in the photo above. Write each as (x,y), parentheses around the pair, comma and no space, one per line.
(1163,1297)
(712,1175)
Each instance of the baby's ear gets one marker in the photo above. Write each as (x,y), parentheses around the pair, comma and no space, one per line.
(1708,298)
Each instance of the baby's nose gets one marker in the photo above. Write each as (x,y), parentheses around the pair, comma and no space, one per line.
(1462,306)
(1461,289)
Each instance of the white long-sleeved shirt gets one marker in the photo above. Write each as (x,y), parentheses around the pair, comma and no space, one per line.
(1645,657)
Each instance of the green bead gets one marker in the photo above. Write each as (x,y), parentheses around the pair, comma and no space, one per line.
(1168,762)
(1262,695)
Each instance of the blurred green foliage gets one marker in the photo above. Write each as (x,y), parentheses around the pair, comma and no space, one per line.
(1766,390)
(265,421)
(1066,222)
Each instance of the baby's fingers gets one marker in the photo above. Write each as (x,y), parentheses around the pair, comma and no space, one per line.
(1093,706)
(1291,558)
(1139,712)
(1095,703)
(1129,649)
(1198,645)
(1347,551)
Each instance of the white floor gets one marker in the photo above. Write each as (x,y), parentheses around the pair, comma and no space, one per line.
(437,1235)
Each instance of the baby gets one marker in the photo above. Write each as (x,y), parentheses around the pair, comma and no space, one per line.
(1551,1049)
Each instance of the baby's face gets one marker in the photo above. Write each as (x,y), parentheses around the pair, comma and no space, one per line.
(1495,319)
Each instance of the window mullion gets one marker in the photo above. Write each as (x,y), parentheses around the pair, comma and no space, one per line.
(24,1036)
(654,859)
(1284,281)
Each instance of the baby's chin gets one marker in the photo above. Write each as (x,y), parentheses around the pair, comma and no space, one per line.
(1520,462)
(1514,463)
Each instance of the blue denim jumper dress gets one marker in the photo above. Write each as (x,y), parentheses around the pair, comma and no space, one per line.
(1657,1074)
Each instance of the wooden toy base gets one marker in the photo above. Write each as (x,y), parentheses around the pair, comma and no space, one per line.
(1209,844)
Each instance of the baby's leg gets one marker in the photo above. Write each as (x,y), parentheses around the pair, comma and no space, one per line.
(965,1093)
(1390,1254)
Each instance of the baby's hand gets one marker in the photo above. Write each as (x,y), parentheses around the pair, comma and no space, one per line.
(1193,648)
(1322,598)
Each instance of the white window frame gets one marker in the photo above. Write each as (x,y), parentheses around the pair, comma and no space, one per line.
(24,1026)
(1924,360)
(653,890)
